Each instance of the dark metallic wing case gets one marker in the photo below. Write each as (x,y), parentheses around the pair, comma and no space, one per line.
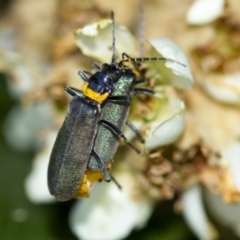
(72,149)
(106,144)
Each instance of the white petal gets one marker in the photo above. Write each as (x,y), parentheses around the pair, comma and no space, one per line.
(178,75)
(231,155)
(95,40)
(226,214)
(195,215)
(22,125)
(223,88)
(36,182)
(26,74)
(8,37)
(167,130)
(205,11)
(24,81)
(110,213)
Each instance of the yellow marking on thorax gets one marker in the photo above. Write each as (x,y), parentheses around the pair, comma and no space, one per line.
(94,95)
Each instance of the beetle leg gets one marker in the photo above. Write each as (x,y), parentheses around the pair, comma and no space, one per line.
(136,64)
(144,91)
(137,133)
(121,99)
(125,55)
(73,91)
(115,181)
(83,75)
(96,65)
(101,165)
(117,133)
(141,81)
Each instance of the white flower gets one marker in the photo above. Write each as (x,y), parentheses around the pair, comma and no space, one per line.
(205,11)
(170,125)
(23,125)
(224,88)
(177,74)
(230,156)
(226,214)
(95,40)
(195,214)
(111,213)
(213,123)
(25,75)
(36,182)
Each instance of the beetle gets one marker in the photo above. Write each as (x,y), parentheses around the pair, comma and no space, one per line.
(89,136)
(113,118)
(74,143)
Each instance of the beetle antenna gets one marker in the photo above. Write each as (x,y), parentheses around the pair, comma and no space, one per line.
(113,38)
(141,28)
(149,59)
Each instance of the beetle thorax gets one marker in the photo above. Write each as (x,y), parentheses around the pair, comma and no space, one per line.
(100,84)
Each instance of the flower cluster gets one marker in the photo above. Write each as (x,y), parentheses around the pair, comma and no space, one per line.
(192,134)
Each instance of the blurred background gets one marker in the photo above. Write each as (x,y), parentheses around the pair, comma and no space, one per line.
(38,57)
